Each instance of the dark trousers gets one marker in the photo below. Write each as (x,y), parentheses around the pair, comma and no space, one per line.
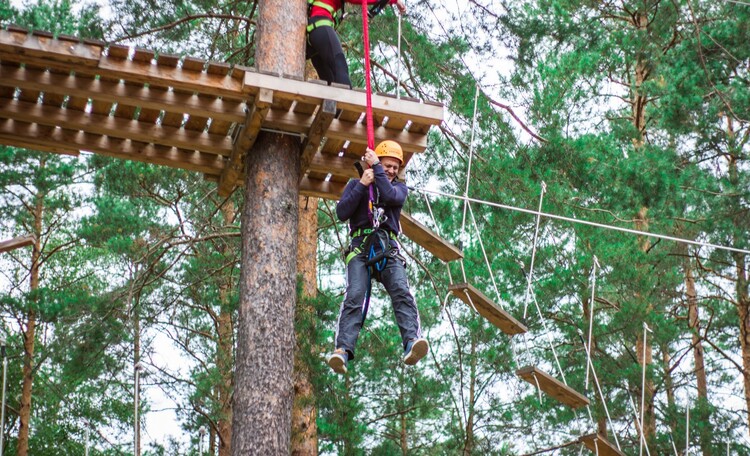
(324,49)
(393,277)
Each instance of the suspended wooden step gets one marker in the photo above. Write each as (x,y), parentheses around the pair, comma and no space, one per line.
(62,94)
(553,387)
(487,308)
(600,446)
(16,243)
(429,239)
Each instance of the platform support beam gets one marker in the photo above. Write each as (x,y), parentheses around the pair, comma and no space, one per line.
(244,141)
(320,125)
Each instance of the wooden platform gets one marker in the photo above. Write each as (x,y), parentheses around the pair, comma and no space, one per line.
(487,308)
(600,446)
(16,243)
(65,95)
(429,240)
(553,387)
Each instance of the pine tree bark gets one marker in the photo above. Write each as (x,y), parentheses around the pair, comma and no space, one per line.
(645,352)
(304,413)
(225,352)
(742,285)
(666,359)
(263,393)
(700,365)
(29,335)
(639,101)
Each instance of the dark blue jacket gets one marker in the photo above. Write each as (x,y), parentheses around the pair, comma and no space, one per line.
(390,196)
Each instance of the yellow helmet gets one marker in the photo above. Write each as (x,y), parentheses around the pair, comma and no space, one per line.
(390,148)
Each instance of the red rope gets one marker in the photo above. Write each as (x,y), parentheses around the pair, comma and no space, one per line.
(368,90)
(368,86)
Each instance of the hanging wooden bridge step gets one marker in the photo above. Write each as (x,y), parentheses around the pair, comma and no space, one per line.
(487,308)
(16,243)
(600,446)
(62,94)
(552,387)
(428,239)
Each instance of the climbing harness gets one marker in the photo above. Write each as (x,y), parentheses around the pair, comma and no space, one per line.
(377,246)
(336,14)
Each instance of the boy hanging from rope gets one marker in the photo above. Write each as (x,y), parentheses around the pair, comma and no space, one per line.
(323,45)
(374,225)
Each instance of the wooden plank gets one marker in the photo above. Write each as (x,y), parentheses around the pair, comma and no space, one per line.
(19,46)
(178,78)
(600,446)
(346,99)
(487,308)
(333,164)
(34,144)
(321,189)
(152,97)
(553,387)
(428,239)
(318,128)
(40,138)
(234,166)
(119,128)
(305,108)
(16,243)
(344,131)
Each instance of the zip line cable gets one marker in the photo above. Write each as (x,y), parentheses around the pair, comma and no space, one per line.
(581,221)
(468,179)
(591,316)
(589,362)
(529,277)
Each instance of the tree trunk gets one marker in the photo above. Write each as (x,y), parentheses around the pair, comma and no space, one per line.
(743,310)
(639,101)
(29,335)
(304,413)
(263,393)
(224,363)
(742,285)
(700,369)
(668,384)
(649,417)
(225,351)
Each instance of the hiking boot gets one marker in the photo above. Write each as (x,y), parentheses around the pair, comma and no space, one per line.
(415,350)
(337,360)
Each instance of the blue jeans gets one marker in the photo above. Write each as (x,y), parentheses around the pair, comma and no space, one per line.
(393,277)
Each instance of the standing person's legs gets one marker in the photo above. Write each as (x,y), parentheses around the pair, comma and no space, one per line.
(327,55)
(350,315)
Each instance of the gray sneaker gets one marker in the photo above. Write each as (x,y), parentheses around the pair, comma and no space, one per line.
(337,360)
(416,349)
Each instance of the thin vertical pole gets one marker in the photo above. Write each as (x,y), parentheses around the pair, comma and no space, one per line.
(643,388)
(136,423)
(687,428)
(5,382)
(86,442)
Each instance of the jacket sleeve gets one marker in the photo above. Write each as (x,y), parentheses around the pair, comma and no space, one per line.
(350,199)
(390,194)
